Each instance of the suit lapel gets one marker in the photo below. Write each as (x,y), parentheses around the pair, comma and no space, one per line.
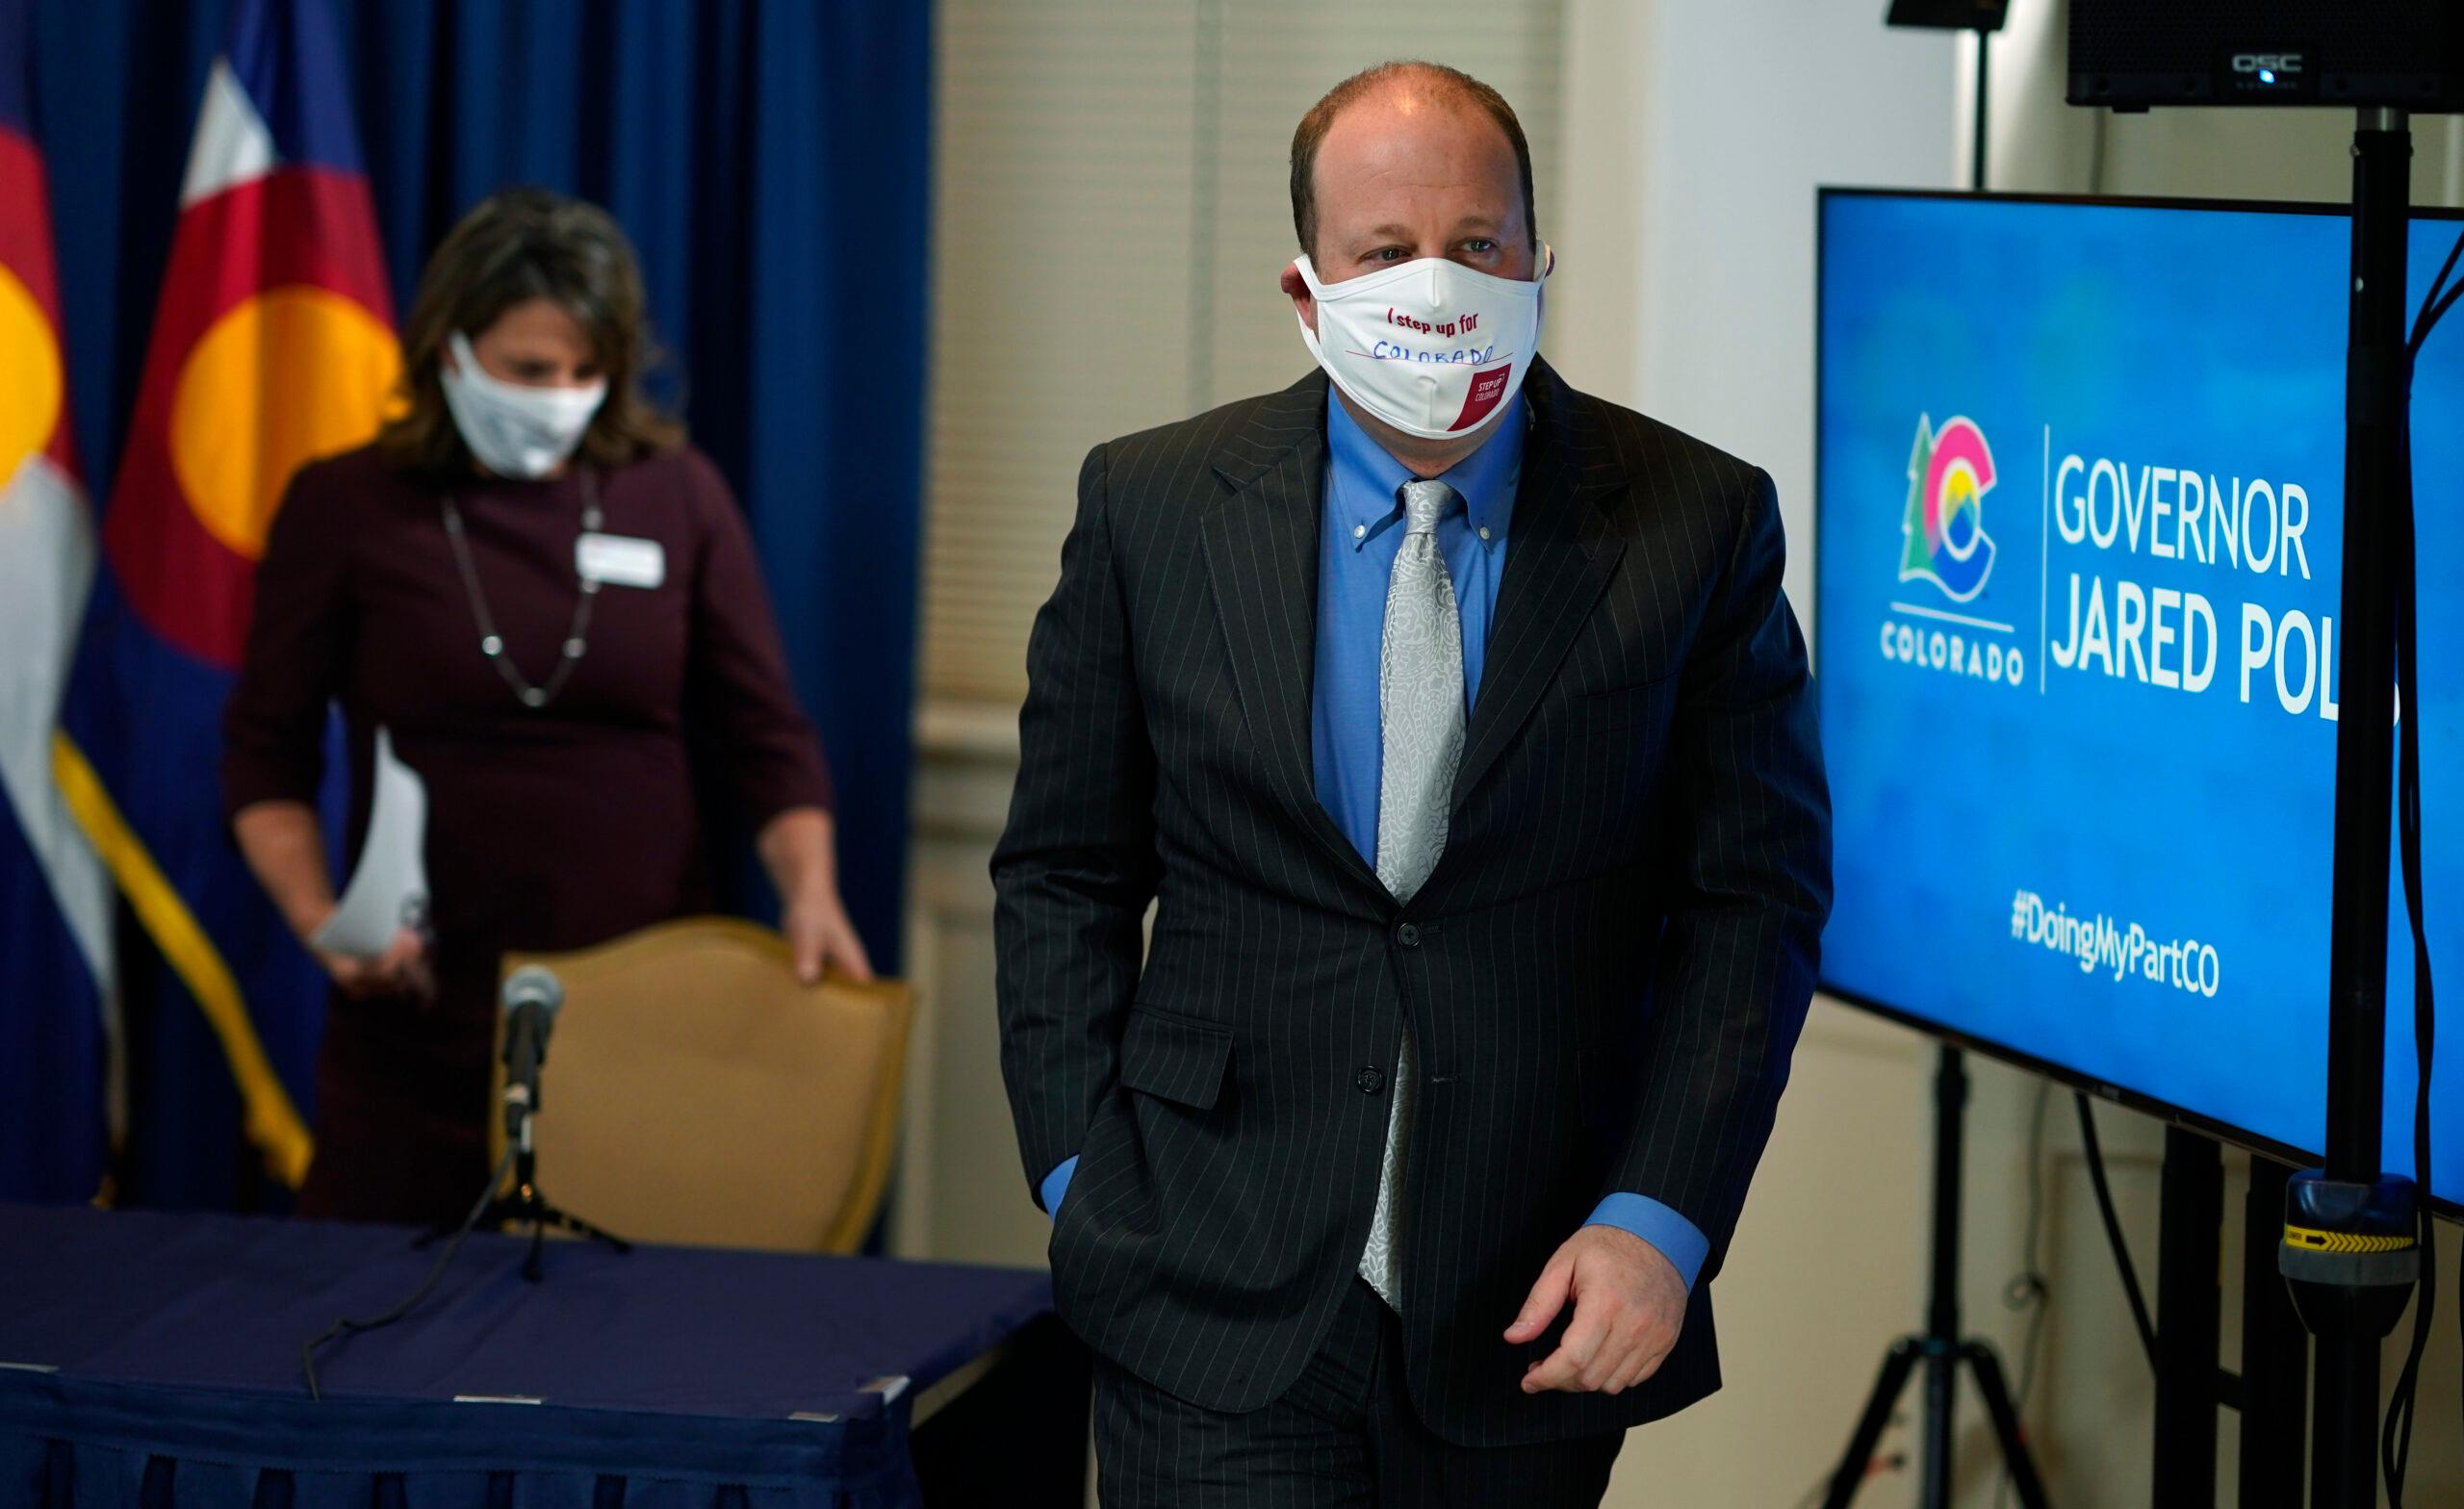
(1260,540)
(1559,560)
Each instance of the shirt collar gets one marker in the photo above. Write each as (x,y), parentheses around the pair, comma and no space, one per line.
(1369,476)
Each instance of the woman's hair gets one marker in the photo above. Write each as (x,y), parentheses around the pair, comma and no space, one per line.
(515,246)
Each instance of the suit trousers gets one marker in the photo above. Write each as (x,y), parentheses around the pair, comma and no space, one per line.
(1344,1436)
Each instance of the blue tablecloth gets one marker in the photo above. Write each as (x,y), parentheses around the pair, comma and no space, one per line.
(153,1360)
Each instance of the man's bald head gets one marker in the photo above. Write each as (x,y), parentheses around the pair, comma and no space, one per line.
(1412,84)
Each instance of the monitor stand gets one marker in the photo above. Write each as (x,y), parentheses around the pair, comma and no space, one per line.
(1939,1347)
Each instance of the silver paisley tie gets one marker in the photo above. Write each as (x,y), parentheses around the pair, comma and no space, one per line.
(1420,704)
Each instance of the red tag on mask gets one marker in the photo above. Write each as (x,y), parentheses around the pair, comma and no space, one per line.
(1487,388)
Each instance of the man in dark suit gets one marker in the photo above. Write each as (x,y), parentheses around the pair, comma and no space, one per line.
(1457,726)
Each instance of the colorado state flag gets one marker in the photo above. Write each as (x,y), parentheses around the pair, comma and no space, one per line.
(273,345)
(54,900)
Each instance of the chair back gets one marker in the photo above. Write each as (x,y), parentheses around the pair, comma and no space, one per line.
(694,1091)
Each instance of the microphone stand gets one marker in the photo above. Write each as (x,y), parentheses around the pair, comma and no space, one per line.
(524,1203)
(525,1051)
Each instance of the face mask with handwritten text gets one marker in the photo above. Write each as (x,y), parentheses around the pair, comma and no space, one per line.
(1430,347)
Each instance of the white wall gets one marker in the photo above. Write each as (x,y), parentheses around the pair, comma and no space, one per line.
(1725,333)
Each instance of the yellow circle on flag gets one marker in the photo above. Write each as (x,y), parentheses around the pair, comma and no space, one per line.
(289,376)
(30,376)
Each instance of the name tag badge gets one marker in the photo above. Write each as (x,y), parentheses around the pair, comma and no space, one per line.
(620,560)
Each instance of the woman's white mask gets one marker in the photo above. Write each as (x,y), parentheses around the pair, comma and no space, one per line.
(515,429)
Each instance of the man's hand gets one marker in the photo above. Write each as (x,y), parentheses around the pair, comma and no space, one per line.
(1630,1304)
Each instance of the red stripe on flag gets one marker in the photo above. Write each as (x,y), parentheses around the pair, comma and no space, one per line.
(25,251)
(25,229)
(294,227)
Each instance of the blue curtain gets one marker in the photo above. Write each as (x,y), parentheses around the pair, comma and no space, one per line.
(770,159)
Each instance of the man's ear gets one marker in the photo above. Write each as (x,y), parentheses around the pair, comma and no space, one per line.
(1297,288)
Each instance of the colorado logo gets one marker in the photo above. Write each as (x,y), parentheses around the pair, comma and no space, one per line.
(1948,475)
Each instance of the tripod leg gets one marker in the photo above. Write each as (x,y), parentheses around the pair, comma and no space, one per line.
(582,1228)
(2006,1425)
(566,1220)
(1852,1463)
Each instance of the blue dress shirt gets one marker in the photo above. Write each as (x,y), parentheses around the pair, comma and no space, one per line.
(1359,536)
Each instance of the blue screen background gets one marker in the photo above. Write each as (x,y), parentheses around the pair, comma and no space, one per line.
(2204,340)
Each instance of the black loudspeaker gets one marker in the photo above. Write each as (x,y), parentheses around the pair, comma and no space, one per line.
(2132,54)
(1949,16)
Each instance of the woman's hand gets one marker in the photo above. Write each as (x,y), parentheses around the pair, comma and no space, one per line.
(285,848)
(798,848)
(402,970)
(821,937)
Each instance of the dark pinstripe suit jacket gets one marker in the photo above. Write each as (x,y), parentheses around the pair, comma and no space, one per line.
(1605,977)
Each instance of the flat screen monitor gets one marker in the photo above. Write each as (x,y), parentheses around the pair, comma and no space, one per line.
(2080,505)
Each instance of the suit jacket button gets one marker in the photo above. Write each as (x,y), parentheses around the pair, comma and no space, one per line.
(1369,1080)
(1408,935)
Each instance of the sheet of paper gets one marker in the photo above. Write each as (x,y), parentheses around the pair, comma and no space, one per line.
(389,889)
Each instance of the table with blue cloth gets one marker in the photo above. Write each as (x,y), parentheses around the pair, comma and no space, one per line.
(154,1361)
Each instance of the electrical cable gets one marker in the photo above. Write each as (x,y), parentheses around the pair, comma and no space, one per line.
(2434,305)
(436,1271)
(2395,1441)
(1893,1461)
(2425,1003)
(2113,1227)
(2029,1290)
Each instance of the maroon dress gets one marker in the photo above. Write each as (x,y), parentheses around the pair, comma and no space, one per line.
(553,827)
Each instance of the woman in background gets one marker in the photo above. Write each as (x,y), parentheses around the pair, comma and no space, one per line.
(540,590)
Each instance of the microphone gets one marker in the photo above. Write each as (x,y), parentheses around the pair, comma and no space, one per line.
(533,997)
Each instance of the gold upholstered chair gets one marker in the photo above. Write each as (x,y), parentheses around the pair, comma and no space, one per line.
(696,1092)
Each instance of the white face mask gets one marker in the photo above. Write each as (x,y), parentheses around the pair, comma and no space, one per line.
(1430,347)
(514,429)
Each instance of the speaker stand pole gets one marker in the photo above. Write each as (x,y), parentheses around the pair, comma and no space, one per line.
(1977,132)
(2349,1242)
(2275,1354)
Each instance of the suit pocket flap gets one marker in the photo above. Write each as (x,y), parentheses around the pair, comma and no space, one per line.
(1175,1058)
